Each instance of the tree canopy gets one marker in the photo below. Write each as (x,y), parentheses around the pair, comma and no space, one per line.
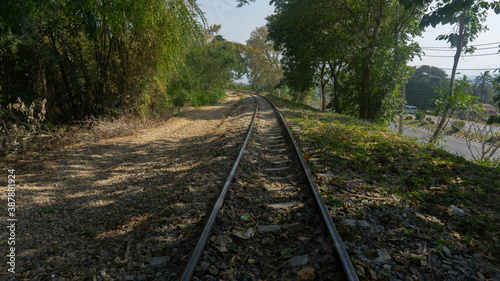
(264,68)
(466,18)
(362,45)
(88,58)
(422,85)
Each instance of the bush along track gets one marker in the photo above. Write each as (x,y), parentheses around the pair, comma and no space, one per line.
(406,211)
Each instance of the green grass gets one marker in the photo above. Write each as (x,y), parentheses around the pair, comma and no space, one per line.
(395,165)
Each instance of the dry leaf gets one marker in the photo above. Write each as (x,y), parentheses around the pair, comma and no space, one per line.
(244,234)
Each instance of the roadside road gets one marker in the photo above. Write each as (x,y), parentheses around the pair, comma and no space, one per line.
(451,144)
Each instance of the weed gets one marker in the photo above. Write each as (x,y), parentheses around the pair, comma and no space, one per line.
(287,253)
(333,202)
(232,247)
(446,243)
(91,231)
(47,209)
(405,231)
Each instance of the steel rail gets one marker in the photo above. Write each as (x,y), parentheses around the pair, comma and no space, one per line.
(349,271)
(195,257)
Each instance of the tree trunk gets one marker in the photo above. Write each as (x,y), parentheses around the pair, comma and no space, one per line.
(336,95)
(364,95)
(448,107)
(334,75)
(322,87)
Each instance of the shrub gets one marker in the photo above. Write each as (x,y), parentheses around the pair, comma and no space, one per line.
(409,117)
(493,119)
(19,124)
(420,115)
(494,138)
(457,125)
(430,120)
(200,98)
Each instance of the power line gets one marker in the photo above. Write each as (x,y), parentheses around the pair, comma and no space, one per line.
(465,56)
(485,44)
(471,68)
(453,50)
(464,69)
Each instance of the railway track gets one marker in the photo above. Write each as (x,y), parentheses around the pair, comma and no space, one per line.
(270,222)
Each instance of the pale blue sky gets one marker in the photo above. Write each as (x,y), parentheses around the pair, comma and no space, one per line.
(237,23)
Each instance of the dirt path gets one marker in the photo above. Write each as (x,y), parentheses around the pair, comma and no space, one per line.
(124,208)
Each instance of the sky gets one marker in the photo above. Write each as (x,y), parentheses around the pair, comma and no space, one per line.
(237,23)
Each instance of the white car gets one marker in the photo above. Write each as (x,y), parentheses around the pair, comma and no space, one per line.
(411,109)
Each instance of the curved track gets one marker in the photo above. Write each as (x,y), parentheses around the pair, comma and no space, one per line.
(269,222)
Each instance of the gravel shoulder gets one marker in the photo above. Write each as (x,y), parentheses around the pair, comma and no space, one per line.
(127,207)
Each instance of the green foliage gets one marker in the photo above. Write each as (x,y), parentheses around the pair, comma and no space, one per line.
(47,209)
(232,247)
(420,86)
(263,62)
(239,87)
(90,58)
(462,99)
(206,70)
(363,57)
(493,119)
(490,163)
(82,59)
(457,125)
(287,253)
(180,99)
(427,121)
(466,17)
(333,202)
(91,231)
(285,31)
(243,2)
(206,98)
(484,87)
(420,115)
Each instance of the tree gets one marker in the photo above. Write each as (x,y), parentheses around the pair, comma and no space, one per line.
(420,87)
(243,2)
(496,98)
(94,57)
(484,87)
(216,64)
(466,18)
(481,137)
(263,61)
(298,72)
(369,41)
(206,70)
